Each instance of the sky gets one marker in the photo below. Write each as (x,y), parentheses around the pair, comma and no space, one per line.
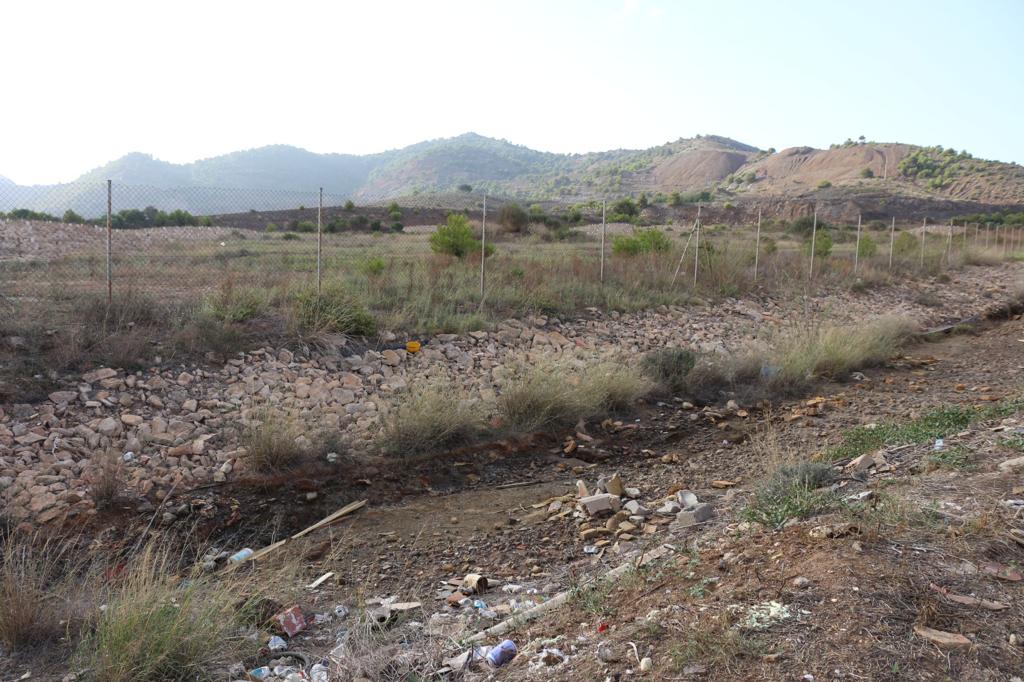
(85,83)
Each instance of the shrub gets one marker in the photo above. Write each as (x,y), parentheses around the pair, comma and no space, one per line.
(905,244)
(791,492)
(805,226)
(824,184)
(769,245)
(349,206)
(455,238)
(106,478)
(394,211)
(72,217)
(513,218)
(372,267)
(867,173)
(544,396)
(613,386)
(625,207)
(822,241)
(428,418)
(204,221)
(397,227)
(33,596)
(867,247)
(668,367)
(332,311)
(290,237)
(306,226)
(651,240)
(232,304)
(271,227)
(159,626)
(269,442)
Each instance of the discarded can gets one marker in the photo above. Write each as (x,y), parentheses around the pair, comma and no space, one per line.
(412,346)
(502,654)
(241,555)
(341,612)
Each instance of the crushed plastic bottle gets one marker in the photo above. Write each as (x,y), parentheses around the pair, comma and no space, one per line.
(939,445)
(319,673)
(502,654)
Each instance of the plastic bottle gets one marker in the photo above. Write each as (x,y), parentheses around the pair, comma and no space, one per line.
(241,555)
(502,654)
(319,673)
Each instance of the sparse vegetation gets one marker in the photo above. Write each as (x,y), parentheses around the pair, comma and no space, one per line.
(331,311)
(669,368)
(270,442)
(430,418)
(650,240)
(455,238)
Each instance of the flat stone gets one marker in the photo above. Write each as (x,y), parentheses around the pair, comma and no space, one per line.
(601,503)
(698,514)
(99,375)
(63,396)
(614,485)
(131,419)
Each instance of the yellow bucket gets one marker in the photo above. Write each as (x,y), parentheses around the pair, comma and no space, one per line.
(412,346)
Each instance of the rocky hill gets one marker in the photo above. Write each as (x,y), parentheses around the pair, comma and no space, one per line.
(879,173)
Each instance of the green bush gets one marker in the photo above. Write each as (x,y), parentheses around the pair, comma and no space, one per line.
(455,238)
(822,244)
(513,218)
(867,173)
(641,241)
(824,184)
(867,247)
(394,211)
(331,311)
(668,368)
(349,206)
(290,237)
(805,226)
(372,267)
(306,226)
(72,217)
(905,244)
(625,207)
(271,227)
(397,226)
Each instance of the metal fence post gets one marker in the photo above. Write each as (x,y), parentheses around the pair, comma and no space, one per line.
(604,229)
(319,239)
(949,244)
(757,243)
(892,240)
(814,238)
(856,251)
(483,249)
(924,236)
(110,230)
(696,250)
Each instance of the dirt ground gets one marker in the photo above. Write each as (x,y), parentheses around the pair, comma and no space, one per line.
(851,602)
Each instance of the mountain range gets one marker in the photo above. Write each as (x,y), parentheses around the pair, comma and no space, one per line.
(280,176)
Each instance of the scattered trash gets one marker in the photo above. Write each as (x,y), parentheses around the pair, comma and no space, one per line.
(319,673)
(607,653)
(261,672)
(291,621)
(511,588)
(412,346)
(277,644)
(646,664)
(939,445)
(762,616)
(128,456)
(319,581)
(473,583)
(603,627)
(341,612)
(502,654)
(551,657)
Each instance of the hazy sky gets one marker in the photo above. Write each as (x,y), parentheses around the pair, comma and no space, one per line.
(85,82)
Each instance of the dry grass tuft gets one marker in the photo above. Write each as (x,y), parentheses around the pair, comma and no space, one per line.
(270,442)
(613,387)
(159,626)
(547,395)
(33,596)
(106,478)
(431,417)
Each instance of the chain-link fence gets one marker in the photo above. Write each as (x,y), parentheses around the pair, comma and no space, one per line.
(187,243)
